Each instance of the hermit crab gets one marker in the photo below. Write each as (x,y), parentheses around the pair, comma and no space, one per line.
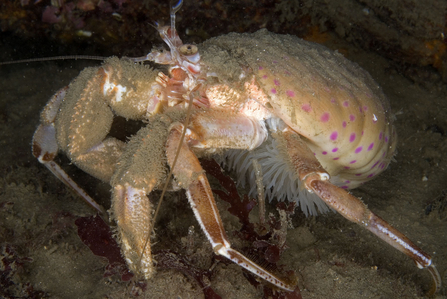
(316,123)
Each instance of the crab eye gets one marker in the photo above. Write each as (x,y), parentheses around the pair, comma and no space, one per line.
(188,49)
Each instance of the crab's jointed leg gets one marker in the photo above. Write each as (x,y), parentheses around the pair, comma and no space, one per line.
(315,180)
(190,176)
(45,148)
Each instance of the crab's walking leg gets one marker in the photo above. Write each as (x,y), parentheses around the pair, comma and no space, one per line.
(191,177)
(45,148)
(315,179)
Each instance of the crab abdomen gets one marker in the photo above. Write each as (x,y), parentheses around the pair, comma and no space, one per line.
(334,104)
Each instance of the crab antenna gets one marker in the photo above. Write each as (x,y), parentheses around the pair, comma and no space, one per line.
(175,8)
(75,57)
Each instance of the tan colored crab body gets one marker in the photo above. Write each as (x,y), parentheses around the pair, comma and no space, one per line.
(325,114)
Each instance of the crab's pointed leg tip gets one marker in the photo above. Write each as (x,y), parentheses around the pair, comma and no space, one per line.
(437,282)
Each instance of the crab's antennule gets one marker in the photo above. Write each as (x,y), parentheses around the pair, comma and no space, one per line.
(174,9)
(156,25)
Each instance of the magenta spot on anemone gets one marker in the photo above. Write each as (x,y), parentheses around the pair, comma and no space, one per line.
(363,132)
(380,136)
(365,108)
(375,164)
(351,117)
(276,81)
(347,167)
(287,73)
(347,182)
(325,117)
(344,187)
(353,161)
(386,139)
(382,165)
(335,149)
(274,61)
(369,95)
(261,68)
(344,124)
(359,149)
(358,174)
(324,152)
(383,154)
(346,103)
(360,109)
(264,77)
(333,100)
(336,158)
(334,135)
(370,147)
(352,137)
(273,90)
(290,93)
(371,175)
(306,107)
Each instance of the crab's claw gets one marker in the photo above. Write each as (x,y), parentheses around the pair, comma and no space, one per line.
(132,212)
(140,169)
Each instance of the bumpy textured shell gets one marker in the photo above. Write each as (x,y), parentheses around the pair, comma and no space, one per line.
(331,102)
